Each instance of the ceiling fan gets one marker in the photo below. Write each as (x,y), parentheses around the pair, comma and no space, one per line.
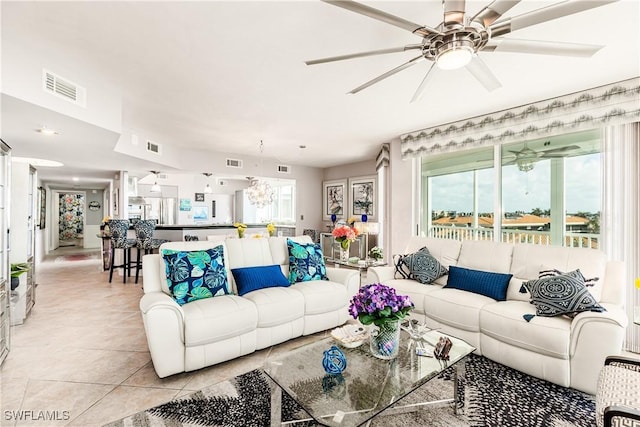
(526,158)
(457,40)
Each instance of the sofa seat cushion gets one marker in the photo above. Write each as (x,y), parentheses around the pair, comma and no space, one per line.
(543,335)
(322,296)
(456,308)
(277,305)
(415,290)
(208,320)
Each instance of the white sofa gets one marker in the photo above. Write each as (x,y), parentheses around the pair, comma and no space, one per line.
(565,351)
(209,331)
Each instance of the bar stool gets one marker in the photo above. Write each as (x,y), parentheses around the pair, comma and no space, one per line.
(119,240)
(145,240)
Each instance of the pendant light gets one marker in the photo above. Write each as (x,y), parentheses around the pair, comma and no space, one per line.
(155,188)
(207,188)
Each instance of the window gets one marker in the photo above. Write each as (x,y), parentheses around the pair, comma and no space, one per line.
(460,194)
(283,208)
(551,192)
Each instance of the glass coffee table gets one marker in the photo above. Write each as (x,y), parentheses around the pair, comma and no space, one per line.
(367,387)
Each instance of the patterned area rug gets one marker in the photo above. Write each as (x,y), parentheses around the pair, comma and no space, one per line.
(494,396)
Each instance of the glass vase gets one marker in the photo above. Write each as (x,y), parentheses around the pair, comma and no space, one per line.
(240,233)
(385,339)
(344,253)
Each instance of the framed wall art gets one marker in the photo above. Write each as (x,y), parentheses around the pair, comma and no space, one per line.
(363,193)
(42,208)
(334,199)
(199,197)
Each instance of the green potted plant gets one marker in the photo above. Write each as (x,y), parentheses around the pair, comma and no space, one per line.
(17,270)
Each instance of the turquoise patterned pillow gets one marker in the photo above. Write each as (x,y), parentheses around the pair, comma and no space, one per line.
(196,275)
(305,262)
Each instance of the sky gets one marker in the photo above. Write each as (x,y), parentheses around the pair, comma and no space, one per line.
(523,191)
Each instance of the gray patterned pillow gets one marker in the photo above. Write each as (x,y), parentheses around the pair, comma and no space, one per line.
(423,266)
(561,294)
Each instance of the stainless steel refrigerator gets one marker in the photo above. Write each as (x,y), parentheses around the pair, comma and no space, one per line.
(162,209)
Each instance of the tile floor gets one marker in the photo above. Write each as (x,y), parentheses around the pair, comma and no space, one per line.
(82,354)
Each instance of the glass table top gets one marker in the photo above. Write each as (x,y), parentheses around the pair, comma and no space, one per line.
(366,387)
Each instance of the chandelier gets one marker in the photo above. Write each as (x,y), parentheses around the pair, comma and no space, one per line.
(259,193)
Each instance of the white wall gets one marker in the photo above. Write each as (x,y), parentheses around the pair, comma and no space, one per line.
(22,78)
(400,198)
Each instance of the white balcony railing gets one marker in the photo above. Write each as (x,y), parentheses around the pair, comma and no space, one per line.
(571,239)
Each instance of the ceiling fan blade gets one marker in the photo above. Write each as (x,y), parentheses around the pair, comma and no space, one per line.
(561,149)
(544,14)
(480,71)
(363,54)
(362,9)
(541,47)
(423,84)
(388,74)
(453,12)
(489,14)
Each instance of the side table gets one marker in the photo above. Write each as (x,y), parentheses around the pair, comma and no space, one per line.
(362,266)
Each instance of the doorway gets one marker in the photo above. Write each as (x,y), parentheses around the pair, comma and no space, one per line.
(71,219)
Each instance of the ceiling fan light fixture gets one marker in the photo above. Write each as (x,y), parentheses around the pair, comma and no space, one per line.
(454,55)
(525,164)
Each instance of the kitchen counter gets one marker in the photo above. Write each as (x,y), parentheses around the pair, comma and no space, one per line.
(201,231)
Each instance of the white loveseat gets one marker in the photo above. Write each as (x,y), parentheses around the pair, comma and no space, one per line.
(565,351)
(212,330)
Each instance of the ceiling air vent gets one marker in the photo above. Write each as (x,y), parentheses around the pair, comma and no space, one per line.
(284,169)
(153,147)
(234,163)
(63,88)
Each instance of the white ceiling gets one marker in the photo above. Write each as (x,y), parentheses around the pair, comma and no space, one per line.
(221,76)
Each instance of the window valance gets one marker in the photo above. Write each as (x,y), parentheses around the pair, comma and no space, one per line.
(616,103)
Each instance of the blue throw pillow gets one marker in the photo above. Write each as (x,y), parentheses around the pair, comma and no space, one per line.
(305,262)
(492,285)
(253,278)
(195,275)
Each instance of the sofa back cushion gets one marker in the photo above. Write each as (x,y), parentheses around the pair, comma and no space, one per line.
(446,251)
(485,255)
(186,247)
(247,252)
(529,260)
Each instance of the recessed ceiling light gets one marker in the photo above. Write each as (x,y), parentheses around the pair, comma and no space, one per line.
(37,162)
(47,131)
(75,179)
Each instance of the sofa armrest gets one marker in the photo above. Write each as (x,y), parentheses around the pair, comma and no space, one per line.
(350,278)
(594,336)
(380,274)
(164,326)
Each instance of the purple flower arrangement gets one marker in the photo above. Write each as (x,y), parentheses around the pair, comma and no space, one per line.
(378,303)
